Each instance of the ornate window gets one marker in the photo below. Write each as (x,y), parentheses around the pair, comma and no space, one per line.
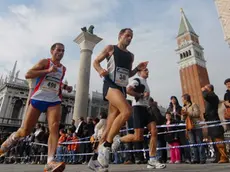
(17,108)
(186,53)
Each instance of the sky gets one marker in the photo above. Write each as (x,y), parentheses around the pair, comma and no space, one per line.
(29,27)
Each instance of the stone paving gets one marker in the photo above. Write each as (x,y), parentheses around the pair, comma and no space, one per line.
(123,168)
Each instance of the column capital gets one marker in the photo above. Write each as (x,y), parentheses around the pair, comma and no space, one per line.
(87,41)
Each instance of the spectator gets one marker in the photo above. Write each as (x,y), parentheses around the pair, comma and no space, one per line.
(82,134)
(80,128)
(175,109)
(39,134)
(172,139)
(100,126)
(69,136)
(74,148)
(60,150)
(95,121)
(73,127)
(160,120)
(191,112)
(211,114)
(89,131)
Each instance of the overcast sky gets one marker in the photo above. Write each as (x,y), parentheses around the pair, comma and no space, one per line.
(29,27)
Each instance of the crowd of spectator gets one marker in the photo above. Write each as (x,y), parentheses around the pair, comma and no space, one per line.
(33,148)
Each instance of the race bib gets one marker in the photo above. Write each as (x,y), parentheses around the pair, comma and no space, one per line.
(122,76)
(50,86)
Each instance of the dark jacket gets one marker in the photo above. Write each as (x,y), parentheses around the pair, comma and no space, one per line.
(72,128)
(178,112)
(90,129)
(81,131)
(211,113)
(171,137)
(227,97)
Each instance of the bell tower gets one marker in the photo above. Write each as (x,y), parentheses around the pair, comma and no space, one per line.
(192,64)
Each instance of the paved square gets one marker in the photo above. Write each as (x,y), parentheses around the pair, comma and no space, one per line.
(123,168)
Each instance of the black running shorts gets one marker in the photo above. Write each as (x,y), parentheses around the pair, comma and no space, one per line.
(108,83)
(141,117)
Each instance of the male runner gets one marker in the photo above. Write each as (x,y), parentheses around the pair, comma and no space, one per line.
(119,69)
(46,97)
(139,89)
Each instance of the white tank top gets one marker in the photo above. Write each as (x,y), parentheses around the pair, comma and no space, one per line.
(48,87)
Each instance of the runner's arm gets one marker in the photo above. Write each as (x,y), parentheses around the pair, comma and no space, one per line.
(63,85)
(134,71)
(107,52)
(38,70)
(130,89)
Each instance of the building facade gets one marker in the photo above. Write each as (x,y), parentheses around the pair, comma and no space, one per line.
(192,64)
(223,9)
(97,104)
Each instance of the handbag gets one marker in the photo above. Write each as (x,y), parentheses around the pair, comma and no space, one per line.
(189,123)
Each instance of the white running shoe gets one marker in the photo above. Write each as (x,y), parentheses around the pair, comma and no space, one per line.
(93,164)
(9,143)
(154,164)
(116,143)
(96,166)
(103,155)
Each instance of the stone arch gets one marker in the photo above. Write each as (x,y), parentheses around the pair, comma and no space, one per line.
(17,108)
(181,56)
(186,53)
(189,52)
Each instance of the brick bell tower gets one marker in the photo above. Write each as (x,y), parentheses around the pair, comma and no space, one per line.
(193,71)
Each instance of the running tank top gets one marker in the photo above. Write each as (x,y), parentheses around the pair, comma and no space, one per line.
(119,66)
(48,87)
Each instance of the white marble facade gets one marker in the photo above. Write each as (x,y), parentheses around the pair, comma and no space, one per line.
(223,9)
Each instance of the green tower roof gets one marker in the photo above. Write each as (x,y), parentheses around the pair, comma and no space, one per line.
(185,26)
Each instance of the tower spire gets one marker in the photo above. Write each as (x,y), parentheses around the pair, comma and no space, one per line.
(12,75)
(185,25)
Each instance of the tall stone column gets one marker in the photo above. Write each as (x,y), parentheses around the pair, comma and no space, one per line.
(87,42)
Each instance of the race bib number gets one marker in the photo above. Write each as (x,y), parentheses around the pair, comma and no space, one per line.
(51,86)
(122,77)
